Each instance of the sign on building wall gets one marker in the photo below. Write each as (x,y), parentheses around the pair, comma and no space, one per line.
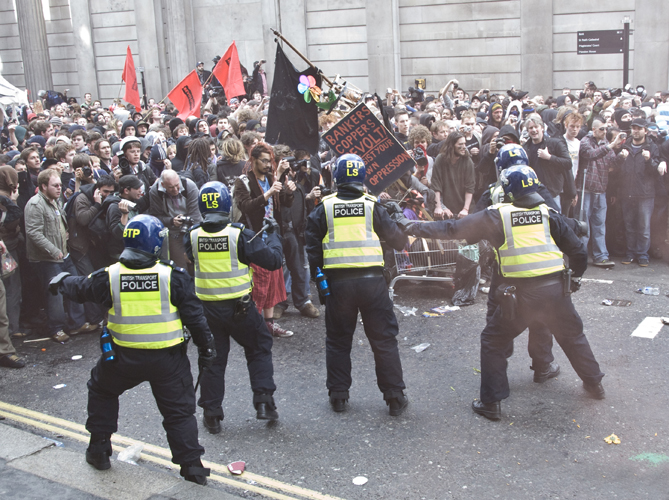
(599,42)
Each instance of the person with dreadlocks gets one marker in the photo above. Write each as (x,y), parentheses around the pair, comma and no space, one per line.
(261,193)
(197,162)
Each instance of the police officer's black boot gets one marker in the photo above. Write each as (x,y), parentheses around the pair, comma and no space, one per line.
(195,472)
(99,450)
(212,421)
(543,373)
(265,407)
(338,400)
(492,411)
(397,404)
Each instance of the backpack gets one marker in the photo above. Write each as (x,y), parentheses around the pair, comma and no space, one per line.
(69,208)
(236,215)
(97,228)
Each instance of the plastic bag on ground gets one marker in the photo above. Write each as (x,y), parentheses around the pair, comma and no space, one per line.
(467,275)
(131,454)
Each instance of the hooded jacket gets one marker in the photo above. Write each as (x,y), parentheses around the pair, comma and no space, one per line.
(126,124)
(179,161)
(485,170)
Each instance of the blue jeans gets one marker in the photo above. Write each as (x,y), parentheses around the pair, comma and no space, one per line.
(62,314)
(636,214)
(557,202)
(594,209)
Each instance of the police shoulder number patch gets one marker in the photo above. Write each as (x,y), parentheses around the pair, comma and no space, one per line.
(526,218)
(349,210)
(218,244)
(139,282)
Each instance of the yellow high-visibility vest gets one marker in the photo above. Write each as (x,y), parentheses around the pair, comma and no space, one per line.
(529,249)
(142,315)
(350,241)
(219,275)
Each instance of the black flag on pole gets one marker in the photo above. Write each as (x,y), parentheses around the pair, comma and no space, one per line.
(291,120)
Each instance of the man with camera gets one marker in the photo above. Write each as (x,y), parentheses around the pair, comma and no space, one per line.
(133,202)
(472,136)
(293,222)
(596,158)
(173,200)
(87,229)
(129,162)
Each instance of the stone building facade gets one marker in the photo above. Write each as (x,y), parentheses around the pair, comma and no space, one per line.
(81,44)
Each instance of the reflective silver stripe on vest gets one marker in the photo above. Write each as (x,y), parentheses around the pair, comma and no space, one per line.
(533,265)
(512,251)
(222,291)
(165,314)
(235,272)
(154,337)
(348,244)
(356,258)
(221,276)
(331,244)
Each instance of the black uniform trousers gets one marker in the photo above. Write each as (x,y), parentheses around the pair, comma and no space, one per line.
(168,372)
(539,338)
(370,297)
(251,333)
(540,303)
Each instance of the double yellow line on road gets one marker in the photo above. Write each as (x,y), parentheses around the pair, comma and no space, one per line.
(269,487)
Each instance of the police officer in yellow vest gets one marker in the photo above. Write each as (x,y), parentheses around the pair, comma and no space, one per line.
(149,303)
(343,240)
(222,252)
(530,239)
(539,338)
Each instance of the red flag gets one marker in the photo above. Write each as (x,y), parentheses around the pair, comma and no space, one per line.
(229,73)
(187,96)
(130,78)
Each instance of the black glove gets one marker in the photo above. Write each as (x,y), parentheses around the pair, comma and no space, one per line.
(575,285)
(54,284)
(206,356)
(272,223)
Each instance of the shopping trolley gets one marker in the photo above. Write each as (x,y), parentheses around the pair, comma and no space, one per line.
(429,260)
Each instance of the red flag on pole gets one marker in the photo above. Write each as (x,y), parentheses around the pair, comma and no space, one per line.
(229,73)
(130,78)
(187,96)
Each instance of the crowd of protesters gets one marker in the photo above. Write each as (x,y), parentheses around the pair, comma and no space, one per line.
(73,174)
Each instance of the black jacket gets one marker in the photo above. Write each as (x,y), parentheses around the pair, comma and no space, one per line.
(227,171)
(95,288)
(487,225)
(267,254)
(317,228)
(637,176)
(550,172)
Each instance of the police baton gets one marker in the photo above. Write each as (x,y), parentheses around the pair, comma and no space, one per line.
(264,228)
(197,384)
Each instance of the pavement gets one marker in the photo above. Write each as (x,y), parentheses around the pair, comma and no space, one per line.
(549,443)
(32,465)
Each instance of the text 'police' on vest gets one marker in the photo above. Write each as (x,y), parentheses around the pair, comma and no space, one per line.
(219,244)
(349,210)
(526,218)
(139,283)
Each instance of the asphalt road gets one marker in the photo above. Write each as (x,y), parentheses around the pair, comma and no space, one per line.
(549,443)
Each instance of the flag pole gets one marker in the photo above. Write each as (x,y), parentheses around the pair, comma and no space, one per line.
(279,35)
